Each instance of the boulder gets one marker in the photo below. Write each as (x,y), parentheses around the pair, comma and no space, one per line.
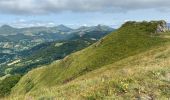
(162,27)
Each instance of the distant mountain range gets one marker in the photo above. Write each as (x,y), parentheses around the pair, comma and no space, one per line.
(6,30)
(25,38)
(60,32)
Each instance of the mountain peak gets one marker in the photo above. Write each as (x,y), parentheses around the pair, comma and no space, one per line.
(6,26)
(61,25)
(63,28)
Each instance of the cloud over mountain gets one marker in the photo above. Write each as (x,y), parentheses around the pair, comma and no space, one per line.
(56,6)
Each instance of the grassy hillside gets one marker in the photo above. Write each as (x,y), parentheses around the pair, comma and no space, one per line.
(106,66)
(143,76)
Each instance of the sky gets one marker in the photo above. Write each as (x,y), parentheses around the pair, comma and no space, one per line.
(75,13)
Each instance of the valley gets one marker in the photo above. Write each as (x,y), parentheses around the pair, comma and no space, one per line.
(20,43)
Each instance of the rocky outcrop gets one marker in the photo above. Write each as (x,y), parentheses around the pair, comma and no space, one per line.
(153,27)
(162,27)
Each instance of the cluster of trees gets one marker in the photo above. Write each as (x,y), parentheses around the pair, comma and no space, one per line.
(7,84)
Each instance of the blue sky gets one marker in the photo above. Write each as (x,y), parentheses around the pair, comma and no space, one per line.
(27,13)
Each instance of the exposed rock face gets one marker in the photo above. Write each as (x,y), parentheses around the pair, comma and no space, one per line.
(162,27)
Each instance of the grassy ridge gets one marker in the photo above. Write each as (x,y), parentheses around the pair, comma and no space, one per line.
(131,39)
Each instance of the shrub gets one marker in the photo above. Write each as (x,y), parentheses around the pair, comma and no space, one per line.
(7,84)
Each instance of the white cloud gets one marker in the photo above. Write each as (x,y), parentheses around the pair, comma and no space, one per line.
(33,23)
(55,6)
(21,20)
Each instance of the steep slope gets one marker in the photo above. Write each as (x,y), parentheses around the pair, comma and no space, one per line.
(131,39)
(143,76)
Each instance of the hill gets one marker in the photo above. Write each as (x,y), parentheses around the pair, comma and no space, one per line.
(119,52)
(94,32)
(8,30)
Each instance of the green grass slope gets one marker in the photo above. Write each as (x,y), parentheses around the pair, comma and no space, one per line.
(131,39)
(144,76)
